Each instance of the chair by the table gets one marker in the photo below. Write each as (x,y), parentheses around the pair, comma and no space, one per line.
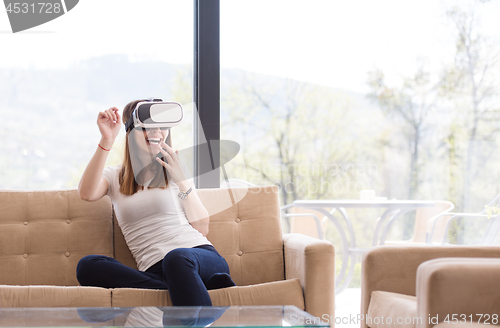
(305,221)
(434,235)
(423,216)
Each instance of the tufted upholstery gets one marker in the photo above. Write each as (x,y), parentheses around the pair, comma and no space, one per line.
(43,235)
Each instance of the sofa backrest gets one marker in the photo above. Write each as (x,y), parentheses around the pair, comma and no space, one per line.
(245,228)
(43,235)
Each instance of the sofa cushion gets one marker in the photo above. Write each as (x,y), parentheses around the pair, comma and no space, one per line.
(285,292)
(388,309)
(54,296)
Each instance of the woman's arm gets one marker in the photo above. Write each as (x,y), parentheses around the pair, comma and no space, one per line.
(196,213)
(92,185)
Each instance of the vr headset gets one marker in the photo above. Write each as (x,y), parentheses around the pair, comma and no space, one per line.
(155,113)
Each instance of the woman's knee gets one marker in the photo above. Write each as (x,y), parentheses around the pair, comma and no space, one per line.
(177,260)
(87,267)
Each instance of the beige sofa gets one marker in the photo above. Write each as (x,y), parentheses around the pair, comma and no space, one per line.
(43,235)
(420,287)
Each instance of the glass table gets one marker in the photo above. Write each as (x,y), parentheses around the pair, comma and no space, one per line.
(192,316)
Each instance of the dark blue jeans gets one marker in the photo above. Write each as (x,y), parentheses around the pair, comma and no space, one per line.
(187,273)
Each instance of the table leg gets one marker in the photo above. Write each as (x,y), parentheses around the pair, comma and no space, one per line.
(346,248)
(353,250)
(380,223)
(385,231)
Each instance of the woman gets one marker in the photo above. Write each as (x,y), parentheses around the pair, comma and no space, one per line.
(165,231)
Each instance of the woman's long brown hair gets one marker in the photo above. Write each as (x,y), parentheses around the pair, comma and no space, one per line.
(126,178)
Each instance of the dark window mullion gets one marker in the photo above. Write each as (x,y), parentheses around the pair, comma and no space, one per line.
(206,91)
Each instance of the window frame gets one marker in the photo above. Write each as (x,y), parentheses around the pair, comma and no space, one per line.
(206,92)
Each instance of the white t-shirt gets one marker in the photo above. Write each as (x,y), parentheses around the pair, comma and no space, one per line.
(152,220)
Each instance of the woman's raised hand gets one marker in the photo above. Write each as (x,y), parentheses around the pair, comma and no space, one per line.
(109,123)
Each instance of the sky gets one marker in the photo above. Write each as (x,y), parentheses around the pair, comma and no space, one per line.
(327,42)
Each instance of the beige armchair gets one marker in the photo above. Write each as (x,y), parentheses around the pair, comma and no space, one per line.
(412,286)
(43,235)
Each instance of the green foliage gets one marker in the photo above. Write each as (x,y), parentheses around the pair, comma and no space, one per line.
(356,278)
(492,210)
(410,106)
(305,138)
(429,135)
(182,86)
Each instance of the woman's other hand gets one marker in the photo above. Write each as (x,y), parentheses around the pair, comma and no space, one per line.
(196,214)
(173,164)
(109,124)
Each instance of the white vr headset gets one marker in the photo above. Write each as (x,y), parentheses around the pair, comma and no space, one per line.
(155,113)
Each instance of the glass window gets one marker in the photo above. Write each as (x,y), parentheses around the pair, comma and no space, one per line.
(328,99)
(55,78)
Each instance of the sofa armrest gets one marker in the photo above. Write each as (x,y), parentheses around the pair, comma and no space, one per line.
(312,261)
(460,288)
(394,268)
